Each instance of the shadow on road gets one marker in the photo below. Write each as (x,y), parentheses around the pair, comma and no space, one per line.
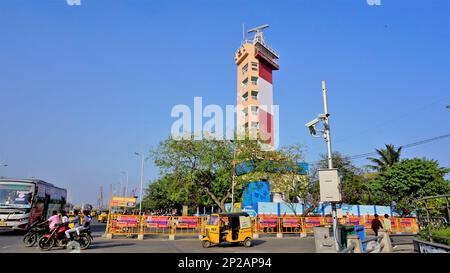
(255,243)
(103,245)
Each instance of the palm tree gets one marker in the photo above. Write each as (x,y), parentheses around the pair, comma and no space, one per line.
(388,157)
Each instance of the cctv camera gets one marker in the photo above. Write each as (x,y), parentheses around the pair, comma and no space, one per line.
(312,123)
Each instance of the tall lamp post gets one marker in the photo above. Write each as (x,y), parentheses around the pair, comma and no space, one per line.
(126,183)
(142,179)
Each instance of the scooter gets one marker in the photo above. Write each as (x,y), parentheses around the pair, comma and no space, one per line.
(34,234)
(57,238)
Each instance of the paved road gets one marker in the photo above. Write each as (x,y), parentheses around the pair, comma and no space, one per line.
(12,243)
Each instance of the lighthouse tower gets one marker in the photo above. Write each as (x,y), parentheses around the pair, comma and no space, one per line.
(255,62)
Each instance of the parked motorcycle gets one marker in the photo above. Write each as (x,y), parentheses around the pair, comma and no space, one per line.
(57,238)
(35,232)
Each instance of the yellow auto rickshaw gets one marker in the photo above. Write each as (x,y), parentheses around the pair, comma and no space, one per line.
(102,217)
(228,228)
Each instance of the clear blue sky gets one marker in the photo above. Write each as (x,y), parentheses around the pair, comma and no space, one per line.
(84,87)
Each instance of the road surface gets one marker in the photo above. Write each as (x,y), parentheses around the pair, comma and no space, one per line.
(12,243)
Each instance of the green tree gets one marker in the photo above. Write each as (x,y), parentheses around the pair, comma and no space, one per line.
(200,170)
(158,194)
(411,178)
(387,158)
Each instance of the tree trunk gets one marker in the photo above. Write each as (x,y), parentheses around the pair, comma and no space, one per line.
(220,203)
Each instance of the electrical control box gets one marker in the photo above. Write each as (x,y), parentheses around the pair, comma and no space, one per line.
(329,185)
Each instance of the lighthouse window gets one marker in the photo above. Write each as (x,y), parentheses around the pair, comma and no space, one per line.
(244,69)
(255,95)
(245,96)
(254,66)
(244,83)
(254,110)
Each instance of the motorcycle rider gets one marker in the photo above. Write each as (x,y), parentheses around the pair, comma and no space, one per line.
(64,218)
(52,220)
(76,222)
(86,222)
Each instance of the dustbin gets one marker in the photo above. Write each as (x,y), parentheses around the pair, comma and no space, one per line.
(343,231)
(360,231)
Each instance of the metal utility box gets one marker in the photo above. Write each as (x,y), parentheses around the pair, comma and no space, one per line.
(329,185)
(324,239)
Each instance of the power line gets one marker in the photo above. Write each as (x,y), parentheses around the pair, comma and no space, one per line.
(406,146)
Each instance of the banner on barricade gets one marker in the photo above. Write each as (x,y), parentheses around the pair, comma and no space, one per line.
(353,220)
(268,222)
(127,221)
(187,222)
(157,221)
(291,222)
(312,221)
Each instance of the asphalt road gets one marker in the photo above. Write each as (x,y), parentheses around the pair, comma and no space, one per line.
(12,243)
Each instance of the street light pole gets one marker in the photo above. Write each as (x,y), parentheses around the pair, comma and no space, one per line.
(142,180)
(126,185)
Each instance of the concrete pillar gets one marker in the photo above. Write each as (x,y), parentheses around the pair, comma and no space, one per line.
(109,236)
(255,235)
(356,241)
(171,237)
(140,237)
(280,235)
(385,241)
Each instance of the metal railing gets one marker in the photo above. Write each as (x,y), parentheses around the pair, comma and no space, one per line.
(119,224)
(377,247)
(348,249)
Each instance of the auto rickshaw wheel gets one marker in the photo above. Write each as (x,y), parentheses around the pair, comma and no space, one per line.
(248,242)
(206,244)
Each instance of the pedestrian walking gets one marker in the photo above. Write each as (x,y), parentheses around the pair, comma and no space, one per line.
(387,225)
(376,224)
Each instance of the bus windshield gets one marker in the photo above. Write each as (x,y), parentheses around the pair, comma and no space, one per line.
(16,195)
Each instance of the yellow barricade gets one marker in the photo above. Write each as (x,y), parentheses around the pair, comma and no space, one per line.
(119,224)
(266,224)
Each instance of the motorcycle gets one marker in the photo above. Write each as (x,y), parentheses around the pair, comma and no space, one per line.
(34,234)
(57,238)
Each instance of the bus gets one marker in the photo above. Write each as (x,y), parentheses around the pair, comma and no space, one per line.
(25,201)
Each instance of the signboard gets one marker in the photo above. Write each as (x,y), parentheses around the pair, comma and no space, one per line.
(157,221)
(187,222)
(251,212)
(312,221)
(244,222)
(127,221)
(329,185)
(292,222)
(237,207)
(268,222)
(117,201)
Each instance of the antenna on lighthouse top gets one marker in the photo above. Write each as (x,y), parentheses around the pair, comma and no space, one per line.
(258,33)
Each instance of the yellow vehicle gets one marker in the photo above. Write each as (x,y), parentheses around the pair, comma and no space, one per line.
(228,228)
(102,217)
(71,216)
